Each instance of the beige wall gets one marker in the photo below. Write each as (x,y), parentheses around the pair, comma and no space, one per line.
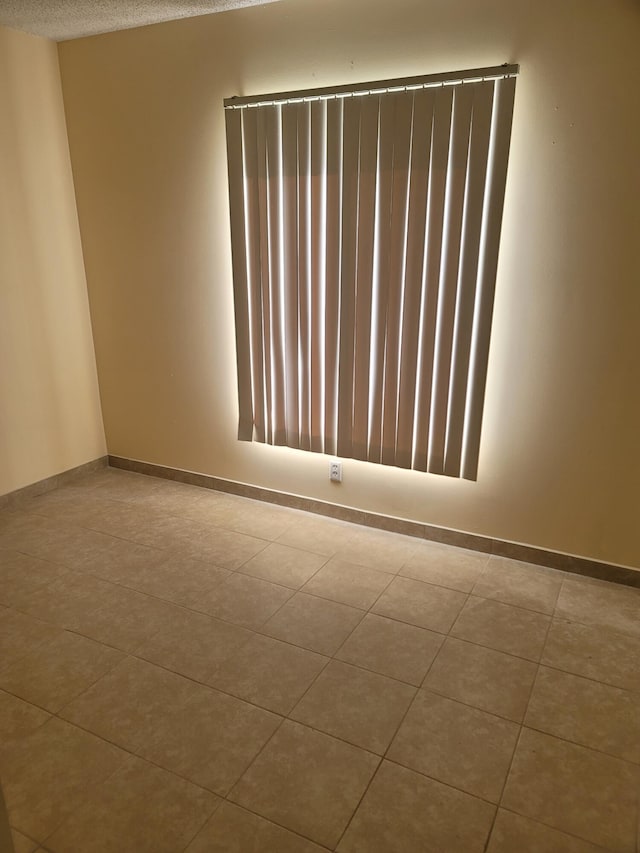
(50,416)
(559,463)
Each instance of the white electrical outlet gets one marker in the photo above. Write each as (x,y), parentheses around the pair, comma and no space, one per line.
(335,472)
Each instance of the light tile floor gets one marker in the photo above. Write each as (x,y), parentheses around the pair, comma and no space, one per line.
(183,670)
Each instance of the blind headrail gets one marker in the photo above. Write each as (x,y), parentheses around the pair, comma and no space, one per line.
(379,87)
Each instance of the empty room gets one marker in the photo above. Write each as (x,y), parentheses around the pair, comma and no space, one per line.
(319,420)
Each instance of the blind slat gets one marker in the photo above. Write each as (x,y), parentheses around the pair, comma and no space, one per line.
(332,294)
(364,274)
(263,243)
(276,280)
(434,234)
(304,264)
(240,275)
(472,222)
(397,250)
(290,264)
(318,167)
(417,219)
(380,299)
(351,137)
(254,279)
(505,93)
(447,296)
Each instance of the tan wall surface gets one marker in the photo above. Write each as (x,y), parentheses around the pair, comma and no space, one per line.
(559,465)
(50,417)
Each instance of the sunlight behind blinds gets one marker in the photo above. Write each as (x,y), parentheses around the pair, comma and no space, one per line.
(365,236)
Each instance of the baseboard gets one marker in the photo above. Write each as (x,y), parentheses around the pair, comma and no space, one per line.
(487,545)
(15,498)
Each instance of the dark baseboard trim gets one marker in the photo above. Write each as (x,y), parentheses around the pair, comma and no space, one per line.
(487,545)
(13,499)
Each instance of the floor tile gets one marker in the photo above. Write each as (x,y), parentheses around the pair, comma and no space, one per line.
(21,843)
(502,627)
(404,812)
(284,565)
(56,672)
(103,611)
(126,618)
(18,718)
(70,546)
(320,535)
(377,549)
(593,652)
(520,584)
(306,781)
(194,645)
(20,530)
(51,772)
(355,705)
(455,744)
(66,504)
(220,739)
(391,648)
(129,701)
(421,604)
(167,531)
(20,575)
(512,832)
(140,809)
(129,521)
(484,678)
(122,561)
(269,673)
(348,583)
(205,507)
(69,601)
(224,548)
(172,499)
(234,830)
(251,517)
(21,634)
(244,600)
(177,579)
(608,605)
(313,623)
(575,790)
(113,484)
(444,565)
(596,715)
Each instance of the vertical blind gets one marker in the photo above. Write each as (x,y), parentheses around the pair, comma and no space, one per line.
(365,225)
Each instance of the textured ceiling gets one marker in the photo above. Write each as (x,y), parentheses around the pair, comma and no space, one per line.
(68,19)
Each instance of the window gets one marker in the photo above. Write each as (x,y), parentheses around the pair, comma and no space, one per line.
(365,226)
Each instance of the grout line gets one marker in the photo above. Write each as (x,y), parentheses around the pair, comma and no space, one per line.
(504,786)
(274,822)
(517,743)
(632,691)
(383,758)
(270,820)
(209,817)
(539,822)
(392,739)
(595,749)
(360,801)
